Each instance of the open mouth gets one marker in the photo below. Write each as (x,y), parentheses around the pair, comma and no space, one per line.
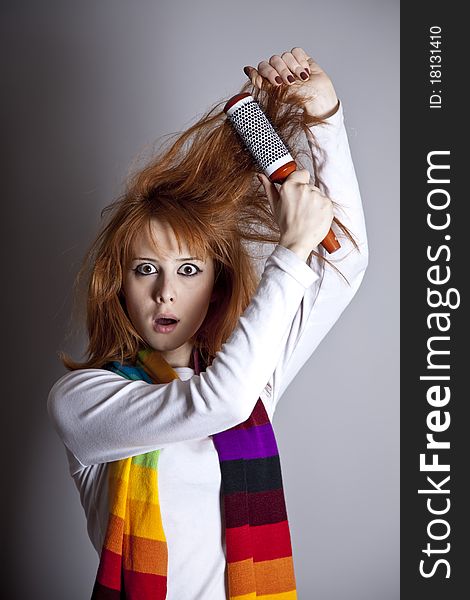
(164,321)
(163,325)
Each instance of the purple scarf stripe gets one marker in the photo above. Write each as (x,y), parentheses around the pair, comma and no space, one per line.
(256,442)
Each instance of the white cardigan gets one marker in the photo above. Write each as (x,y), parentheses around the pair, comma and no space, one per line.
(102,417)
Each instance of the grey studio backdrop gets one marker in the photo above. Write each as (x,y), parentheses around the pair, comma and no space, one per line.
(87,87)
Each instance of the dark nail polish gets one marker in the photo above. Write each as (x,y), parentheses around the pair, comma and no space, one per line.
(247,71)
(278,79)
(290,79)
(304,76)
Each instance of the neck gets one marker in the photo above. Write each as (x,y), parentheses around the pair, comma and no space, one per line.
(179,357)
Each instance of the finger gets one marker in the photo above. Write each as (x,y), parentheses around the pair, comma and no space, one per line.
(269,73)
(296,67)
(271,192)
(314,67)
(302,58)
(286,70)
(254,76)
(268,195)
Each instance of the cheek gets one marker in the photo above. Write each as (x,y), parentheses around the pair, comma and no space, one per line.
(196,301)
(133,298)
(133,311)
(205,292)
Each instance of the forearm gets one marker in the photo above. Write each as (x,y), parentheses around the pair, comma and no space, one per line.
(338,174)
(324,302)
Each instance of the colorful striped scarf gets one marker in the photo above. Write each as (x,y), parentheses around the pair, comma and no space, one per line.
(134,558)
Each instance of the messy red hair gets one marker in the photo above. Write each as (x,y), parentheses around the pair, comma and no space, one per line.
(204,186)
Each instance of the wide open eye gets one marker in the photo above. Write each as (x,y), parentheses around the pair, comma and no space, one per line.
(145,269)
(189,266)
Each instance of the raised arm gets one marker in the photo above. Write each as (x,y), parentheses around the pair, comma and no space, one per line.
(325,300)
(329,295)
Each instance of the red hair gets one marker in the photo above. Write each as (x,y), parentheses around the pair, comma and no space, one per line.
(204,186)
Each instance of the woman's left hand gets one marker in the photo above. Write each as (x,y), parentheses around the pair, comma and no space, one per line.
(297,68)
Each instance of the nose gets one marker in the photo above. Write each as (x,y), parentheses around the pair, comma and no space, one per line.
(164,290)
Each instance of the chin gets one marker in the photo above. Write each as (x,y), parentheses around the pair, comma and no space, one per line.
(163,343)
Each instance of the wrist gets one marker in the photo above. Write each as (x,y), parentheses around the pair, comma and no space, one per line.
(324,105)
(300,251)
(329,113)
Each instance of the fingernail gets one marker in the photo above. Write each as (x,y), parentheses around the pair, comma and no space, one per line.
(247,71)
(308,70)
(290,79)
(304,75)
(278,79)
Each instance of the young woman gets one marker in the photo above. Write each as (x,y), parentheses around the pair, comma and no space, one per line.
(167,424)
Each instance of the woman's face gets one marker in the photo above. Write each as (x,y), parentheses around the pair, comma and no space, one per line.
(167,281)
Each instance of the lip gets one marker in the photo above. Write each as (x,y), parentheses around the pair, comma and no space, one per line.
(165,328)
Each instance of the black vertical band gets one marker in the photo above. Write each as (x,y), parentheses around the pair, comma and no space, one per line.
(434,332)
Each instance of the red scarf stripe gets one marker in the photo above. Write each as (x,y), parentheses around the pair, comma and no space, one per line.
(144,585)
(138,584)
(271,542)
(109,570)
(267,542)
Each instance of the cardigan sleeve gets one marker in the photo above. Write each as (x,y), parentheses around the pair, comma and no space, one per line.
(101,416)
(325,300)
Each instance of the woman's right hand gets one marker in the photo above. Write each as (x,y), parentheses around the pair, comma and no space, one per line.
(303,213)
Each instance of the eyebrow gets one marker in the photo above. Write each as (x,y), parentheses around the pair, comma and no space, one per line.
(178,259)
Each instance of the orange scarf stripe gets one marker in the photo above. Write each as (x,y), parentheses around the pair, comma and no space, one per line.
(145,556)
(292,595)
(271,577)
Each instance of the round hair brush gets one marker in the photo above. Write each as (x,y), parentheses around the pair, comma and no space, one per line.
(265,145)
